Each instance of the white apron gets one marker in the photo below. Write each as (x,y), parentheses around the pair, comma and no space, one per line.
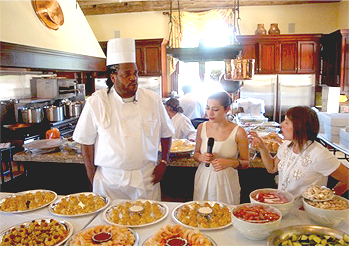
(130,185)
(222,186)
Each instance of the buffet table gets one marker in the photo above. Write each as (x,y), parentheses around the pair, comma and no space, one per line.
(224,237)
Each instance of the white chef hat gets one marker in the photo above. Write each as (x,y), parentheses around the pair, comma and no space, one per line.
(121,50)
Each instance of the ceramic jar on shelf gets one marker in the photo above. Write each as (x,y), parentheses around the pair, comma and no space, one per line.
(274,29)
(260,30)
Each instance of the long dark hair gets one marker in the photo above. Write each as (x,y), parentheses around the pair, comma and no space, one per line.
(305,124)
(110,70)
(173,103)
(224,99)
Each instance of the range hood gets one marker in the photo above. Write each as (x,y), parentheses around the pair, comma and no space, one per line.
(204,54)
(27,43)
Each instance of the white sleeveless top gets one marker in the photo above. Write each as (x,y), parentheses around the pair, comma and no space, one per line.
(222,186)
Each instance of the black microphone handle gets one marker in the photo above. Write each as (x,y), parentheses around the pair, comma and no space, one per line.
(209,150)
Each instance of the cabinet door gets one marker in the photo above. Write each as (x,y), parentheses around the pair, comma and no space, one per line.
(267,57)
(307,56)
(152,59)
(140,60)
(288,57)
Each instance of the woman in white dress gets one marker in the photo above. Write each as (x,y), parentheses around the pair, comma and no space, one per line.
(184,128)
(301,161)
(219,181)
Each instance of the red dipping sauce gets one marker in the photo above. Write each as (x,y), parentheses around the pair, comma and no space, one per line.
(101,237)
(176,242)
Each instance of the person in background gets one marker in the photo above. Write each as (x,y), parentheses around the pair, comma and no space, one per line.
(220,181)
(183,125)
(120,129)
(192,108)
(301,161)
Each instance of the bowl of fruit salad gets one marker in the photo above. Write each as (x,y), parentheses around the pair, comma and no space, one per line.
(282,200)
(254,221)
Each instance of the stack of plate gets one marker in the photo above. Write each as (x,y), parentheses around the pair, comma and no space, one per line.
(44,146)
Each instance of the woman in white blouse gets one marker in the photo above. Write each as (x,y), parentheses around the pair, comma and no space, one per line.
(301,161)
(183,125)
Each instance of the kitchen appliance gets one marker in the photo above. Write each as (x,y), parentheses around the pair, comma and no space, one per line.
(280,92)
(49,88)
(7,111)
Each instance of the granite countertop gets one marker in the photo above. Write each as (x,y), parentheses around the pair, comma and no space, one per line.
(54,157)
(185,160)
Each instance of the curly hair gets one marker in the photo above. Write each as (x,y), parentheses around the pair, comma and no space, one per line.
(305,124)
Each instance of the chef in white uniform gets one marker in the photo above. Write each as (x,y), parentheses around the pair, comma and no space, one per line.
(120,129)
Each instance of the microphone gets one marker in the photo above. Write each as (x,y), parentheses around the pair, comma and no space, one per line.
(209,147)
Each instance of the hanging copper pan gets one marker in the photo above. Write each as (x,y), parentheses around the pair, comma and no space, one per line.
(49,12)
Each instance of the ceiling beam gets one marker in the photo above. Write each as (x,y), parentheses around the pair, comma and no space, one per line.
(100,7)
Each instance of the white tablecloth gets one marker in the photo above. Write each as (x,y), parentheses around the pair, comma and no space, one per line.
(224,237)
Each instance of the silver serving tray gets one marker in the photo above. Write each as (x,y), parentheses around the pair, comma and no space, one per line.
(106,213)
(279,235)
(52,206)
(44,144)
(209,238)
(212,203)
(65,223)
(181,150)
(23,193)
(137,237)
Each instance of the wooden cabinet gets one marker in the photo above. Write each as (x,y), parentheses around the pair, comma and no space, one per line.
(335,60)
(288,57)
(283,54)
(307,57)
(148,56)
(267,61)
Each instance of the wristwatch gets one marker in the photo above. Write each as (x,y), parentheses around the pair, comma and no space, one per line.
(163,161)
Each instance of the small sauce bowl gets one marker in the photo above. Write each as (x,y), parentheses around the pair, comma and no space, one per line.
(101,237)
(177,241)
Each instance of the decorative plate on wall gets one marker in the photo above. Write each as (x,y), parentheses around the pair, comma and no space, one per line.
(49,12)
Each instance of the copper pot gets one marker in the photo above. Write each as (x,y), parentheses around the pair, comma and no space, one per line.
(239,69)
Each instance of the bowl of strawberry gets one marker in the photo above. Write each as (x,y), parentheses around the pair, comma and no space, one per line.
(282,200)
(254,221)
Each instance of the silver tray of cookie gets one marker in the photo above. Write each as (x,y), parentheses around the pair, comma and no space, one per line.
(27,201)
(178,235)
(104,235)
(203,215)
(38,232)
(79,204)
(138,213)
